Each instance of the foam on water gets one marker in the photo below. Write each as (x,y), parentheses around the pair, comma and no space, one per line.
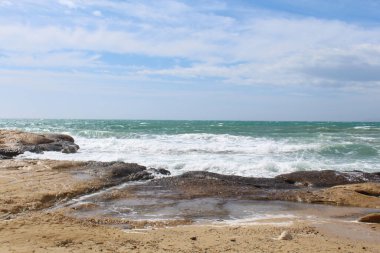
(228,147)
(227,154)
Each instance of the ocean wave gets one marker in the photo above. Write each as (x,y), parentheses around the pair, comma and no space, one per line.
(239,148)
(363,127)
(226,154)
(353,150)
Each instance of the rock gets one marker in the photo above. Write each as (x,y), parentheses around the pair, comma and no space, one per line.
(194,238)
(198,184)
(115,170)
(13,143)
(327,178)
(360,195)
(119,172)
(10,151)
(160,171)
(49,181)
(371,218)
(63,137)
(68,149)
(163,172)
(64,243)
(285,236)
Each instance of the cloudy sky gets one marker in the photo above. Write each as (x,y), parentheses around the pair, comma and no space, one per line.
(236,60)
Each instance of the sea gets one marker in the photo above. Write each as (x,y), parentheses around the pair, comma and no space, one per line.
(245,148)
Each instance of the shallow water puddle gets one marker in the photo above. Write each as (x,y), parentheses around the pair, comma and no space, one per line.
(156,204)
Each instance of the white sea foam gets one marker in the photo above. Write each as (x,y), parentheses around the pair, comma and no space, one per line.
(223,153)
(363,127)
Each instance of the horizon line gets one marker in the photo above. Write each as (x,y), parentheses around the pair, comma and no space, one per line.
(228,120)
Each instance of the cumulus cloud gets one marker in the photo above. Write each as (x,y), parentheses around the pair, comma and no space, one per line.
(257,48)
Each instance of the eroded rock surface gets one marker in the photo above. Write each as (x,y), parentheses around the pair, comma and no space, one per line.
(314,187)
(13,143)
(37,184)
(328,178)
(359,195)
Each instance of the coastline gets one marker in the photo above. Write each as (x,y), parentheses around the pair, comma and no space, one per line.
(38,212)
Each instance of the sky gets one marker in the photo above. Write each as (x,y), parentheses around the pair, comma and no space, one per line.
(207,60)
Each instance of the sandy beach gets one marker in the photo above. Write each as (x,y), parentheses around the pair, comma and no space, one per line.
(57,233)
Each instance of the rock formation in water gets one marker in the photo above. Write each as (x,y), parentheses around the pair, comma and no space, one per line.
(13,143)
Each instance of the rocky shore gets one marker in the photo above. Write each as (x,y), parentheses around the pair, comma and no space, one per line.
(13,143)
(38,211)
(327,187)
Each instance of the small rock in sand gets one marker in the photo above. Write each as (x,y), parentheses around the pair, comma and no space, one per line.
(285,236)
(194,238)
(371,218)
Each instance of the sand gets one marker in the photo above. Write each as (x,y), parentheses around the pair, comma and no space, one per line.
(44,232)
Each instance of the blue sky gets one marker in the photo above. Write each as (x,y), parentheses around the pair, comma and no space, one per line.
(236,60)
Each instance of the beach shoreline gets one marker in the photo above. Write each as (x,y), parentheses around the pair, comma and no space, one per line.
(72,206)
(56,233)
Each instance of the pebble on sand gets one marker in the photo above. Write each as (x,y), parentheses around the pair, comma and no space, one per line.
(285,236)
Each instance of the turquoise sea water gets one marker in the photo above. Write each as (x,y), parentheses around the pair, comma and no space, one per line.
(229,147)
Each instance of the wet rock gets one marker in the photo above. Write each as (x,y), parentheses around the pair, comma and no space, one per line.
(13,143)
(10,151)
(199,184)
(163,172)
(371,218)
(160,171)
(327,178)
(201,177)
(68,149)
(118,171)
(296,180)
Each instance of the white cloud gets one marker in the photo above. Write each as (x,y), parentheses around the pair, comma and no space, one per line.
(5,3)
(68,3)
(97,13)
(251,50)
(51,60)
